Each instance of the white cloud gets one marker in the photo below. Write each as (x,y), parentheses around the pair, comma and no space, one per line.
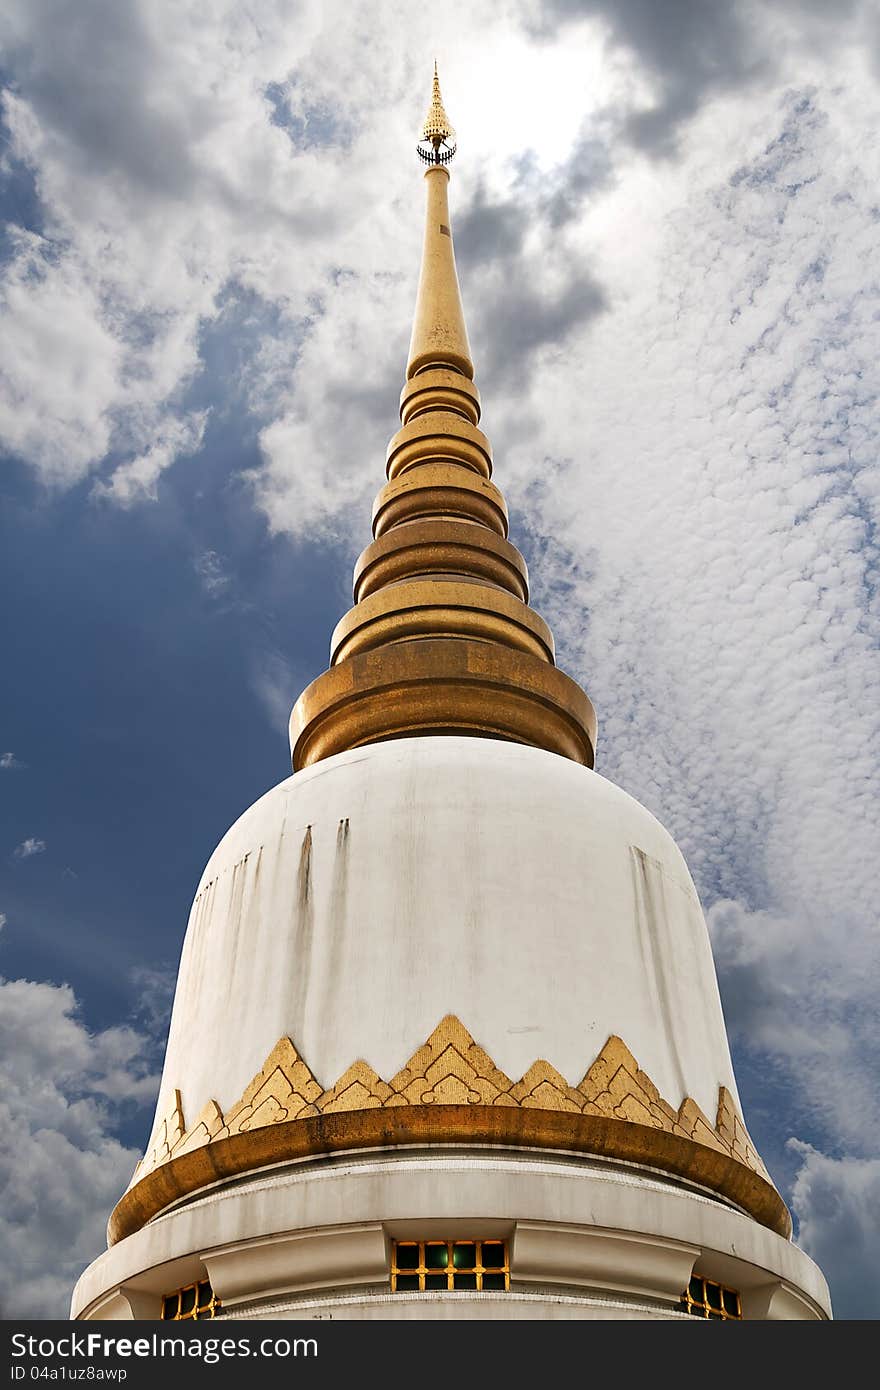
(136,479)
(59,364)
(179,160)
(793,1002)
(322,452)
(29,847)
(276,686)
(85,369)
(209,566)
(837,1205)
(9,762)
(153,987)
(164,181)
(701,481)
(61,1167)
(3,920)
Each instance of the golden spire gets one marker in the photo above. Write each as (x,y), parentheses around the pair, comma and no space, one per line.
(441,639)
(437,130)
(439,336)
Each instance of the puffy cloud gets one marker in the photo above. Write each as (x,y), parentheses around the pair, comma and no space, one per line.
(249,156)
(60,365)
(9,762)
(690,52)
(701,538)
(29,847)
(153,987)
(136,479)
(321,451)
(793,1003)
(104,308)
(837,1205)
(3,920)
(61,1166)
(173,172)
(168,170)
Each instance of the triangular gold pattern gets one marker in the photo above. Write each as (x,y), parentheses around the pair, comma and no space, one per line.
(168,1136)
(452,1069)
(543,1088)
(731,1129)
(284,1090)
(360,1088)
(208,1126)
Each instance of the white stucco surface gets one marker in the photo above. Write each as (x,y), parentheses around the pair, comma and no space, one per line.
(360,901)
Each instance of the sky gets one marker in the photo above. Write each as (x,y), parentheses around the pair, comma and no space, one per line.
(666,224)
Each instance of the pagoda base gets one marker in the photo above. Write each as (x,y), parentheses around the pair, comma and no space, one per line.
(581,1239)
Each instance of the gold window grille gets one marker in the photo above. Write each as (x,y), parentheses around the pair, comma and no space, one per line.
(703,1298)
(192,1302)
(432,1266)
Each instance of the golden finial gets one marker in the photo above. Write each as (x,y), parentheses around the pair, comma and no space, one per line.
(437,130)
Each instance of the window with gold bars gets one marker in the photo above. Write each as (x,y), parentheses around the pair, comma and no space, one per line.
(431,1266)
(192,1302)
(703,1298)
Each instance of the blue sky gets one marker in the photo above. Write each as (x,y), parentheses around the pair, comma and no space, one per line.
(667,241)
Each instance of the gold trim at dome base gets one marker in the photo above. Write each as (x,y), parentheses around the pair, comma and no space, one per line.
(451,1092)
(442,686)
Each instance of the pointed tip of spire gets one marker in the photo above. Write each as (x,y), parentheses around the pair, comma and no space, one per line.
(437,138)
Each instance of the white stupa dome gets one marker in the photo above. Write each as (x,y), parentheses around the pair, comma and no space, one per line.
(363,899)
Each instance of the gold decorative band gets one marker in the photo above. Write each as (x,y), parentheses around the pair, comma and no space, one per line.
(440,388)
(440,490)
(435,437)
(437,685)
(438,607)
(451,1092)
(454,1124)
(440,548)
